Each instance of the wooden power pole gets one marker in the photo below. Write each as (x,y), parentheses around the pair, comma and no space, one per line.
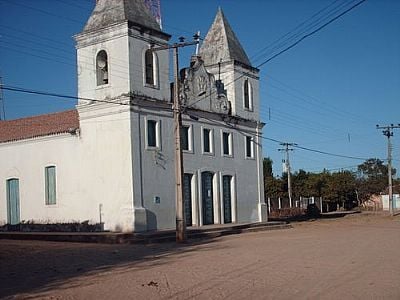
(179,201)
(388,132)
(287,164)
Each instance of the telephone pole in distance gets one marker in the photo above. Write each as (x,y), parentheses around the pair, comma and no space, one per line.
(388,132)
(287,164)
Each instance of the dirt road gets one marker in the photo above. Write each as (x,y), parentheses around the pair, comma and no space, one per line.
(356,257)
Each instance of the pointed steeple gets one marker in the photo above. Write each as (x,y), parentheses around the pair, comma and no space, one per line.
(221,43)
(108,12)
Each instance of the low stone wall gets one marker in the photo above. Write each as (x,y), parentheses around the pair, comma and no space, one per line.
(54,227)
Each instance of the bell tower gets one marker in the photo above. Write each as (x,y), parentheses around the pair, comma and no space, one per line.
(114,57)
(224,56)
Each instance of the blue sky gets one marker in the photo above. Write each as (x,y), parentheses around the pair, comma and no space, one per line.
(327,93)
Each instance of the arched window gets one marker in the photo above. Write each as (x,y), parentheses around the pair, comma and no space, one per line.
(247,95)
(102,68)
(149,67)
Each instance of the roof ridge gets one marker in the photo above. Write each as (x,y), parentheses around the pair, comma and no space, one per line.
(41,115)
(41,125)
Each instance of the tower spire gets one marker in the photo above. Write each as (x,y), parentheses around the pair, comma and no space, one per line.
(221,43)
(109,12)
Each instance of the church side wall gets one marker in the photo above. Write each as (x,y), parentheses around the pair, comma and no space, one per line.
(26,160)
(93,174)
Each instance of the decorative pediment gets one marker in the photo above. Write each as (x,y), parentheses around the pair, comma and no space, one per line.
(200,90)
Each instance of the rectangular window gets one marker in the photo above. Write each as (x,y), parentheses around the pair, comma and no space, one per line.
(207,140)
(152,133)
(226,143)
(249,147)
(50,185)
(185,138)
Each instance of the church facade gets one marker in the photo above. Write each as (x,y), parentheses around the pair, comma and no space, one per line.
(111,160)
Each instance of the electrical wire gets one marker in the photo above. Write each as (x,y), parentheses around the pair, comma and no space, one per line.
(289,47)
(275,45)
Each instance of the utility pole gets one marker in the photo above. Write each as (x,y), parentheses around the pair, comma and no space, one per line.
(287,166)
(388,132)
(179,202)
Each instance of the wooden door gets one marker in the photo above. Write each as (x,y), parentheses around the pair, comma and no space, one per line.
(13,215)
(207,197)
(187,198)
(227,198)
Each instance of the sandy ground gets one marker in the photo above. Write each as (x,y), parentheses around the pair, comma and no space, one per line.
(355,257)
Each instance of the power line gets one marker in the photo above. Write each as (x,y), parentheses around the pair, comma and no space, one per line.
(35,92)
(307,27)
(312,100)
(287,48)
(311,33)
(330,154)
(45,12)
(27,91)
(122,66)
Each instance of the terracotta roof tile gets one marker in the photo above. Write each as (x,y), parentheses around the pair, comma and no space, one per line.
(42,125)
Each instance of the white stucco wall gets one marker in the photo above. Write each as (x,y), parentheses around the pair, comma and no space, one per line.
(92,169)
(138,44)
(233,77)
(114,41)
(125,49)
(385,201)
(26,160)
(157,171)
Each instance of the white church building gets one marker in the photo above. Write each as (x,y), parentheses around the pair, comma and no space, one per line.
(111,160)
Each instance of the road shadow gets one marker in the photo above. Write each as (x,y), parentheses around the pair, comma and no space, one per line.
(313,217)
(32,267)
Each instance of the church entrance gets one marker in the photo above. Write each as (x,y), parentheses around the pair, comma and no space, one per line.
(207,197)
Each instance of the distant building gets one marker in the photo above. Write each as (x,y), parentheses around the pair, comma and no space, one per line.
(385,201)
(111,160)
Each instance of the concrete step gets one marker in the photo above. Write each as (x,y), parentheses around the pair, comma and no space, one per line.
(205,232)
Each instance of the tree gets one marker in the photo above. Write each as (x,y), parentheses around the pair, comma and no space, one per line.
(316,183)
(374,168)
(372,178)
(299,184)
(267,167)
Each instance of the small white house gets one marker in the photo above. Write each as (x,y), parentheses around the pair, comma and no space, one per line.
(111,160)
(386,203)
